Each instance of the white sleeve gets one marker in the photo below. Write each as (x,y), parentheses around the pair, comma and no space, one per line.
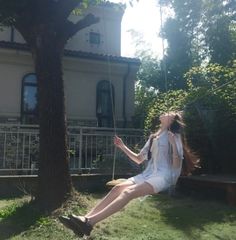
(144,151)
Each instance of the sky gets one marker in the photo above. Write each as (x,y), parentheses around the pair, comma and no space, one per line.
(143,17)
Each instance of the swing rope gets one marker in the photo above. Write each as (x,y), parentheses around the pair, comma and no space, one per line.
(113,113)
(112,182)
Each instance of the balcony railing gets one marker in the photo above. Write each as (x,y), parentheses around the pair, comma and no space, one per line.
(90,149)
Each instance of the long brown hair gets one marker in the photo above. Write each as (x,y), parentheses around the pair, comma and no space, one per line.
(191,161)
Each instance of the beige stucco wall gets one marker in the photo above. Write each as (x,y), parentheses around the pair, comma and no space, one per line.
(109,28)
(13,66)
(80,79)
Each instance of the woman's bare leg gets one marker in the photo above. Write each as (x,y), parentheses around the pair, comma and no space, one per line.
(114,193)
(129,193)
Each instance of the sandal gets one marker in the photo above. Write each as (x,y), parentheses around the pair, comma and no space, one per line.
(71,225)
(84,226)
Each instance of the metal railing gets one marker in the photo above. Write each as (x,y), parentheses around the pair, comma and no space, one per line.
(90,149)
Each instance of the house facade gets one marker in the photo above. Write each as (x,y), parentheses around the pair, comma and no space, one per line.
(99,95)
(99,82)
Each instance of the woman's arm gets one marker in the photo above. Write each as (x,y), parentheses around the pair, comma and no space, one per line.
(176,160)
(137,158)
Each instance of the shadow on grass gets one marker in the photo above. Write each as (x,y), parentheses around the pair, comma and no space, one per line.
(20,220)
(186,214)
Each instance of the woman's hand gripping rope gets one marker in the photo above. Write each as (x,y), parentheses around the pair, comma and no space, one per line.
(118,142)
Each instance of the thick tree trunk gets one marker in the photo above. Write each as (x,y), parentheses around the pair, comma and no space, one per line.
(54,178)
(46,29)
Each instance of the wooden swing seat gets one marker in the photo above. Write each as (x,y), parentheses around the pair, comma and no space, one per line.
(114,182)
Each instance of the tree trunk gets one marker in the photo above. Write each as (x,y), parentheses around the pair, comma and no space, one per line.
(54,178)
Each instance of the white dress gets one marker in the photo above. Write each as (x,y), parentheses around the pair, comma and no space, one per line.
(160,172)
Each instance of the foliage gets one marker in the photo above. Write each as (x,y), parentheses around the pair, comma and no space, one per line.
(178,58)
(144,100)
(211,115)
(7,211)
(218,22)
(150,74)
(150,82)
(217,79)
(11,11)
(172,100)
(199,31)
(180,31)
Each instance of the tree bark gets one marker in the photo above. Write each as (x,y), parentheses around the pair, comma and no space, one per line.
(54,178)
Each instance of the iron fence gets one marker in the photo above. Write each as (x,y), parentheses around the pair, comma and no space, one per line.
(90,149)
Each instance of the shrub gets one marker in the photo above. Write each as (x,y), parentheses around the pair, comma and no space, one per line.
(211,116)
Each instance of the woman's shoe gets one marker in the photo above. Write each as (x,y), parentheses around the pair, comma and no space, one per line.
(83,224)
(71,225)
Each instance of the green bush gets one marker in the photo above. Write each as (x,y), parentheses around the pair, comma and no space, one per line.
(211,116)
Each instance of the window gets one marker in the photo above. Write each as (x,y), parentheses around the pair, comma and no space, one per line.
(104,108)
(29,102)
(94,38)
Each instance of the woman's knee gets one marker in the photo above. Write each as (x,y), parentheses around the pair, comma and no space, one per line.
(128,193)
(136,191)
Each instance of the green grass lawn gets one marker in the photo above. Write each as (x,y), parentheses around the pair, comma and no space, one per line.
(158,217)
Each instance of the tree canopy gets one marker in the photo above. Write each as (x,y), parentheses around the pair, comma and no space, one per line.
(198,32)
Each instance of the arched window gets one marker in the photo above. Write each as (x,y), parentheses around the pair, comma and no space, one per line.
(105,99)
(29,99)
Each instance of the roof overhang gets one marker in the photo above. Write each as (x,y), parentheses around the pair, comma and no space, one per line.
(76,54)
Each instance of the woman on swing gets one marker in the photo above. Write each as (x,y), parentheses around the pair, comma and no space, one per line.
(165,153)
